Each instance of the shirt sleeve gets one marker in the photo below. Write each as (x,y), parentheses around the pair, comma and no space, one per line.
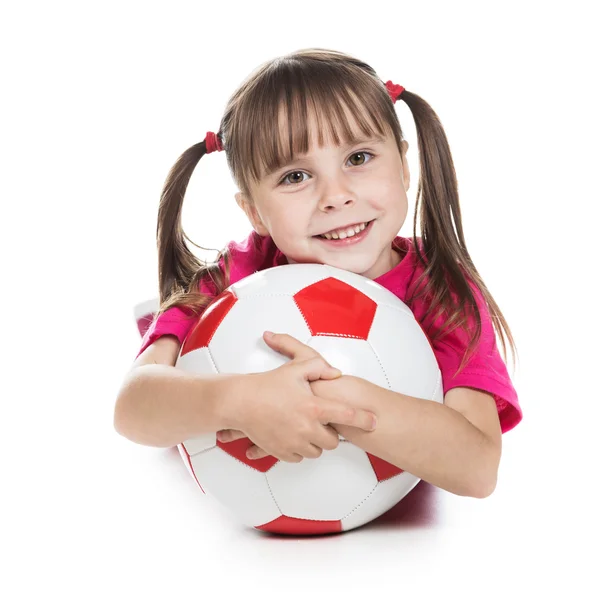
(485,370)
(174,321)
(177,321)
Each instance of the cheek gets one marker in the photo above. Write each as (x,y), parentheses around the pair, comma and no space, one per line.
(290,226)
(401,201)
(388,197)
(294,219)
(289,229)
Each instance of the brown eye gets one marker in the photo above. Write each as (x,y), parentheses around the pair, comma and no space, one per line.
(292,180)
(296,179)
(358,154)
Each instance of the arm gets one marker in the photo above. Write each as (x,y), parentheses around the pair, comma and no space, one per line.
(455,446)
(161,405)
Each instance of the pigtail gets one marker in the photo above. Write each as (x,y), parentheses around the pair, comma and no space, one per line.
(179,270)
(447,265)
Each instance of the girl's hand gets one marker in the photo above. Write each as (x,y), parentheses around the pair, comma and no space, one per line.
(341,388)
(346,389)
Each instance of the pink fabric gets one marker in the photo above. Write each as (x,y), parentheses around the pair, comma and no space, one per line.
(485,370)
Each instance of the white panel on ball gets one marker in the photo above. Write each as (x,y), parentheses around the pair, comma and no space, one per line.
(351,356)
(383,497)
(404,353)
(237,486)
(238,345)
(313,489)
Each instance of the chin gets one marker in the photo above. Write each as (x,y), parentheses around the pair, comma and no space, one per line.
(356,266)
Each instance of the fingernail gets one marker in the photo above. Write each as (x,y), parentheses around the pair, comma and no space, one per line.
(374,423)
(269,334)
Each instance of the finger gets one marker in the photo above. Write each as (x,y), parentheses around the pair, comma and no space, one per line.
(289,346)
(330,429)
(328,438)
(295,349)
(331,373)
(318,368)
(362,419)
(230,435)
(254,453)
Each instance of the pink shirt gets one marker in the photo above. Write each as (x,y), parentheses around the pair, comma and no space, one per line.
(485,370)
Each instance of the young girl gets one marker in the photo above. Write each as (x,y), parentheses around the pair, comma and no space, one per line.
(314,144)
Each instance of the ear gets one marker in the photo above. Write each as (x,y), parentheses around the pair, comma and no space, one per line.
(248,207)
(405,171)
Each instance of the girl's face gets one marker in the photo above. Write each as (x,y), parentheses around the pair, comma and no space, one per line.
(331,188)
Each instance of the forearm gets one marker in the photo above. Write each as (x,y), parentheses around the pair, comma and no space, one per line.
(428,439)
(162,406)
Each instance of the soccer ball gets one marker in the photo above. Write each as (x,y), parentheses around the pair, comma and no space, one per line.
(357,326)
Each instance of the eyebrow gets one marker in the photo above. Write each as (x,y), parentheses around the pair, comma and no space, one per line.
(376,139)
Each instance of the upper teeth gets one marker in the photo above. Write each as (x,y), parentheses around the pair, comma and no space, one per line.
(344,233)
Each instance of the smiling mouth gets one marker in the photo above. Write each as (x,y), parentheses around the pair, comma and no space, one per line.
(322,236)
(346,241)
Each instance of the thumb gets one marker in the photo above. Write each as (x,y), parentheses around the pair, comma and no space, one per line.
(318,368)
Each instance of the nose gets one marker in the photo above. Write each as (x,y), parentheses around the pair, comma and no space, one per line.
(335,196)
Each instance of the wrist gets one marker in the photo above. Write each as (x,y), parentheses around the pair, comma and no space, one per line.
(229,396)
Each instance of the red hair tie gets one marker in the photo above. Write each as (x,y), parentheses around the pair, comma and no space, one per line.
(213,142)
(394,90)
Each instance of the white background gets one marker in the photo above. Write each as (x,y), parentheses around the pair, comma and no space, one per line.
(98,101)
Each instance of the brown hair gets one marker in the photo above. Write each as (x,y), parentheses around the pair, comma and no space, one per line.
(323,81)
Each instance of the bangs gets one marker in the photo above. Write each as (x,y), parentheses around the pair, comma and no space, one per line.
(287,104)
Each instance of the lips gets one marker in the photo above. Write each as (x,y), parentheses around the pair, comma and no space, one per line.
(344,242)
(344,228)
